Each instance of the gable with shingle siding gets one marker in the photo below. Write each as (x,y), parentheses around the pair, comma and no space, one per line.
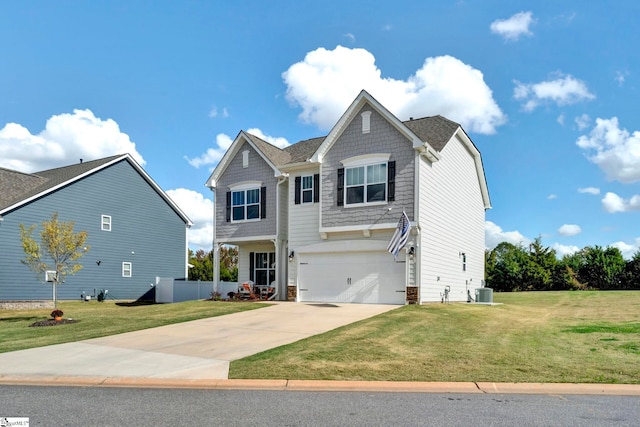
(383,138)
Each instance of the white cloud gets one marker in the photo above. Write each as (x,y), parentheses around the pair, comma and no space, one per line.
(214,113)
(613,203)
(589,190)
(562,250)
(493,235)
(552,196)
(569,230)
(628,250)
(560,119)
(213,155)
(65,139)
(351,37)
(621,76)
(616,151)
(327,81)
(583,121)
(513,27)
(563,91)
(278,141)
(200,210)
(387,27)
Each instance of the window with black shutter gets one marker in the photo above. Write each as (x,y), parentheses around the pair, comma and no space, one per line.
(391,181)
(244,205)
(316,188)
(298,186)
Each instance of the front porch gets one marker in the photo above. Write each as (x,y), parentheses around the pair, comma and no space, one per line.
(261,270)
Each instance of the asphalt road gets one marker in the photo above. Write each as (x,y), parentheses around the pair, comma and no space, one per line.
(109,406)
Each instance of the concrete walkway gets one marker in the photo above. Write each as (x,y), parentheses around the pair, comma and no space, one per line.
(196,350)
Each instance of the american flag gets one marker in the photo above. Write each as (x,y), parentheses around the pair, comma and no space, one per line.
(400,236)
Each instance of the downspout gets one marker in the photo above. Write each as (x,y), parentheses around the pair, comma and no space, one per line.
(214,247)
(416,216)
(280,276)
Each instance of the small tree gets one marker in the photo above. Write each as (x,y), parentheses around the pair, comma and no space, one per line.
(57,242)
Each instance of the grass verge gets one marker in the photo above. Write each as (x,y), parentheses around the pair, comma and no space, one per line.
(101,319)
(582,337)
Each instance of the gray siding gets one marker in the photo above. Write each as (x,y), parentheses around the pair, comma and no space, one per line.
(258,170)
(383,138)
(146,231)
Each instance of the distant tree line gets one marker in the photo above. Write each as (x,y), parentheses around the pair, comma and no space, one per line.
(202,264)
(510,267)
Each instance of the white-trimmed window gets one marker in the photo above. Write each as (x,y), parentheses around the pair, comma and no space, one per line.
(307,189)
(105,223)
(366,179)
(246,201)
(366,184)
(245,204)
(127,269)
(264,268)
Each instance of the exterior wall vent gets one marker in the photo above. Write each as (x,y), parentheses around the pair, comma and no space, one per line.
(366,122)
(245,159)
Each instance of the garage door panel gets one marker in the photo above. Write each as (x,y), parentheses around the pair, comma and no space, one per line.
(365,277)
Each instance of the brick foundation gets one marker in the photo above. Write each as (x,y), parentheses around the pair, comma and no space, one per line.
(292,293)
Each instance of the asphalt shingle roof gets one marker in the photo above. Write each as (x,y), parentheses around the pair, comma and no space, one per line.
(17,186)
(435,130)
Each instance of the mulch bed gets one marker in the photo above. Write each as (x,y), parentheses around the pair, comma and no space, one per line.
(52,322)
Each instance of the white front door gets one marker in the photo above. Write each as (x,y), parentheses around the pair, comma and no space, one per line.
(364,277)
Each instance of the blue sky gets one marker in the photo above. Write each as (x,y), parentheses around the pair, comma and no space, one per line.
(548,92)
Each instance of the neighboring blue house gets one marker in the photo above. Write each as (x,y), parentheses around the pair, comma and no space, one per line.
(313,220)
(135,231)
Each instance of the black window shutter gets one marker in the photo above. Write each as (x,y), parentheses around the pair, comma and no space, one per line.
(391,181)
(340,187)
(316,188)
(251,265)
(228,206)
(263,202)
(298,189)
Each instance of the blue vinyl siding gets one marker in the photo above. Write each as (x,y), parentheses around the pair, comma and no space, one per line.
(145,231)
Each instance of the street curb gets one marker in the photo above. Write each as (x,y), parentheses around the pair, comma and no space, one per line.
(560,388)
(329,385)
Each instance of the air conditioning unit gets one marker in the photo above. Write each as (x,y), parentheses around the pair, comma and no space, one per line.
(484,295)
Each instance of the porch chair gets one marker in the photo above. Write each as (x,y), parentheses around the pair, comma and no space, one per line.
(246,290)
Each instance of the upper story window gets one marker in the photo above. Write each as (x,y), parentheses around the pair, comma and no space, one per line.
(106,223)
(368,179)
(246,202)
(307,189)
(366,184)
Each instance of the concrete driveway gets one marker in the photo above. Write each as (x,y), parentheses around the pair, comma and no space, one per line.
(197,350)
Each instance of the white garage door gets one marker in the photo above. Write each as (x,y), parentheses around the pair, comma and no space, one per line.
(364,277)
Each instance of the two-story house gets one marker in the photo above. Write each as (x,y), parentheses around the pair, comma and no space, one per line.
(314,219)
(135,232)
